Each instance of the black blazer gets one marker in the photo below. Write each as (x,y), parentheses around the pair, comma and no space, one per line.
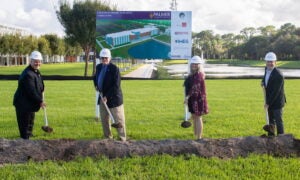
(29,94)
(275,96)
(111,85)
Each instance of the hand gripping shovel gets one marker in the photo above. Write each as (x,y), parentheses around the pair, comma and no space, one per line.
(46,128)
(186,123)
(114,124)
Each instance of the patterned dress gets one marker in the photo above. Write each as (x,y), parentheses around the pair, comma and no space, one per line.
(195,89)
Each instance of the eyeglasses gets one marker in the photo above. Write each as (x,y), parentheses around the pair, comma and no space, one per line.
(36,60)
(104,57)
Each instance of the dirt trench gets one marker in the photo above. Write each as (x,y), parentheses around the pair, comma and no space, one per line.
(20,151)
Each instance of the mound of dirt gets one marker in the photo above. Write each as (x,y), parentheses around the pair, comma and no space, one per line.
(20,151)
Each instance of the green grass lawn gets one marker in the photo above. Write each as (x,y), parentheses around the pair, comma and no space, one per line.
(164,38)
(64,69)
(154,110)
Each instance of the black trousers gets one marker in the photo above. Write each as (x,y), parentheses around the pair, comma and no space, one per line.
(25,123)
(275,118)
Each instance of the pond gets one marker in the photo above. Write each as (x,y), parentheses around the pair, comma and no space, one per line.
(226,71)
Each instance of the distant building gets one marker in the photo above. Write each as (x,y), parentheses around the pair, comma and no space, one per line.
(5,29)
(13,59)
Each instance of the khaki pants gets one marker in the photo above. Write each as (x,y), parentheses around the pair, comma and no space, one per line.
(119,116)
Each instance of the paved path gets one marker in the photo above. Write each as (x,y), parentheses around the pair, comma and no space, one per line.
(145,71)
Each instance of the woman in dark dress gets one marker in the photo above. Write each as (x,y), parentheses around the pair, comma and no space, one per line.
(195,94)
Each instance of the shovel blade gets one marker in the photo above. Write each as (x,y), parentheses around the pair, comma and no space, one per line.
(270,128)
(186,124)
(47,129)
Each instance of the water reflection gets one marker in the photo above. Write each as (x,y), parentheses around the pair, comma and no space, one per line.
(224,71)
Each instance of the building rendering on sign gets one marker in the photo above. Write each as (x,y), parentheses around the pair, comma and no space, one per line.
(124,37)
(145,34)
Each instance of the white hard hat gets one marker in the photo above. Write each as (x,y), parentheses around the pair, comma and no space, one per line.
(270,56)
(105,53)
(196,60)
(36,55)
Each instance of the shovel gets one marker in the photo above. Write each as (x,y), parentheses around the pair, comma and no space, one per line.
(266,109)
(114,124)
(269,128)
(186,123)
(46,128)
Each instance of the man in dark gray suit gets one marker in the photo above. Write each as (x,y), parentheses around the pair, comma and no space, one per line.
(107,81)
(28,97)
(273,82)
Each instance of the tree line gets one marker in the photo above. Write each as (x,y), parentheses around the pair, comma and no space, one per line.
(48,44)
(251,44)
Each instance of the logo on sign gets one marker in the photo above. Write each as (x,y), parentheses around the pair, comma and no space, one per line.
(182,25)
(181,33)
(175,56)
(159,15)
(181,41)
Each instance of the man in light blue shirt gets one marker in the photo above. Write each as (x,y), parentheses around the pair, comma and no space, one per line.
(273,84)
(107,81)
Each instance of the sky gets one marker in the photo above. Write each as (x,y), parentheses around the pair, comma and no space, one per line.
(220,16)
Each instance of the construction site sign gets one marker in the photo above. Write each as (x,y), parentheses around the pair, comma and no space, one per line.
(145,34)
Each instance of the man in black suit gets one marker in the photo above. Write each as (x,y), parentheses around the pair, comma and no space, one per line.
(273,82)
(28,97)
(107,81)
